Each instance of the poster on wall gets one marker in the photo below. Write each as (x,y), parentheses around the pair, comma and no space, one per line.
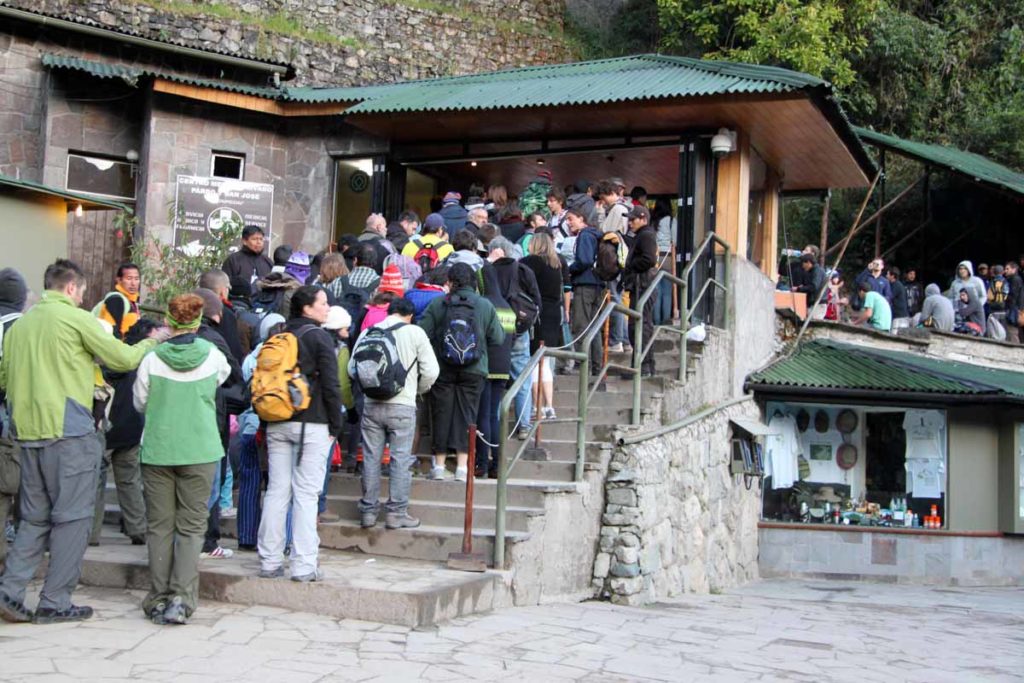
(204,207)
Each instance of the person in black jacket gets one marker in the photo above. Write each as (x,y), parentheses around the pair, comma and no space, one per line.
(900,305)
(249,263)
(1014,302)
(297,448)
(812,282)
(641,267)
(217,281)
(587,288)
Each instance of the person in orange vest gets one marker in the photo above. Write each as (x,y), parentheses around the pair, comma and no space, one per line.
(120,308)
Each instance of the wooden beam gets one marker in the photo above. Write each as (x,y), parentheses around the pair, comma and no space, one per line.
(243,101)
(824,228)
(875,216)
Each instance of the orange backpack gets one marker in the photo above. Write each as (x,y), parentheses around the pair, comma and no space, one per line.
(279,389)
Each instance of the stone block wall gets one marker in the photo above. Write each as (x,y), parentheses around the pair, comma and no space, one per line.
(345,42)
(22,108)
(675,519)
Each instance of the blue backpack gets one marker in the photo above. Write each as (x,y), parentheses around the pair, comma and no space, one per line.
(460,345)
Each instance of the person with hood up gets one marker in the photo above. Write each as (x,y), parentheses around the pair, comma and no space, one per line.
(13,297)
(175,388)
(249,264)
(936,310)
(970,315)
(582,199)
(499,369)
(965,277)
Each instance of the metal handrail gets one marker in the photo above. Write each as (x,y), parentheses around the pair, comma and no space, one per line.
(586,392)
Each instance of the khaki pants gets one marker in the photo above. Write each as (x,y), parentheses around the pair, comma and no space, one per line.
(128,479)
(176,511)
(10,482)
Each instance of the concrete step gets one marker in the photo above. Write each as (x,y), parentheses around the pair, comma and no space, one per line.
(432,543)
(404,592)
(537,470)
(441,514)
(521,492)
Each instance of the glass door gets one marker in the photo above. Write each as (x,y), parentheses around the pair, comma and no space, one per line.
(358,187)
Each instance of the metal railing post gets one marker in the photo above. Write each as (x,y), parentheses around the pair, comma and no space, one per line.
(581,427)
(725,281)
(500,494)
(638,350)
(684,320)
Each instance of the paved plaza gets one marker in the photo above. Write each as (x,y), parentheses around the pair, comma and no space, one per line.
(771,630)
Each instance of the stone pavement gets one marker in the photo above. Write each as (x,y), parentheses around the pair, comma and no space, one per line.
(772,630)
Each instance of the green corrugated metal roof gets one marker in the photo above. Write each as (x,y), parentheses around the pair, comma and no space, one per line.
(639,77)
(825,364)
(969,164)
(132,74)
(30,186)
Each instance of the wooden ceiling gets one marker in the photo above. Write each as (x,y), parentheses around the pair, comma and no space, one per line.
(792,135)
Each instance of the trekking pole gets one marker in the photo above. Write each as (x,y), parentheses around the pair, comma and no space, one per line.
(467,560)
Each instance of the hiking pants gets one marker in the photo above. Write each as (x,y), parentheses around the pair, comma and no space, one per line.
(586,302)
(128,479)
(455,399)
(58,491)
(394,424)
(249,479)
(646,324)
(296,481)
(176,499)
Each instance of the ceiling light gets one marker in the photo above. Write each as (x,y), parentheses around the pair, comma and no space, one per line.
(79,211)
(472,163)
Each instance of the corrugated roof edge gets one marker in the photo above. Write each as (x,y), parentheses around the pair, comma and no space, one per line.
(994,172)
(95,24)
(56,192)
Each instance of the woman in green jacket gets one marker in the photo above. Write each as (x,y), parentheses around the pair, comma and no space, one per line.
(175,388)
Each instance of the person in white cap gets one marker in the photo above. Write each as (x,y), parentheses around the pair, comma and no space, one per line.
(338,324)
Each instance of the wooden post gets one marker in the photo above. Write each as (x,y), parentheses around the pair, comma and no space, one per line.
(824,227)
(467,526)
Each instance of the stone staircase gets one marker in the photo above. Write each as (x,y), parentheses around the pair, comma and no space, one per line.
(552,521)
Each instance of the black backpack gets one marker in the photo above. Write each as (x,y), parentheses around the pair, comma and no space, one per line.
(353,299)
(526,309)
(379,369)
(609,260)
(460,344)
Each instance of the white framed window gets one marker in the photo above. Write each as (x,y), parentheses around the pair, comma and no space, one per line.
(100,176)
(227,165)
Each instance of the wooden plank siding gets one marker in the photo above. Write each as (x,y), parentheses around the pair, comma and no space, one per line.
(733,196)
(94,246)
(249,102)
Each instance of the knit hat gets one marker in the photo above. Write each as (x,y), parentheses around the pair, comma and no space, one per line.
(391,281)
(434,220)
(452,198)
(543,177)
(13,290)
(337,319)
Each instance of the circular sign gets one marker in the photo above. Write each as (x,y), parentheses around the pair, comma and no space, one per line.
(358,181)
(222,219)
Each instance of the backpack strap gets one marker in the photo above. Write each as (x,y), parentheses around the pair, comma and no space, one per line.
(418,242)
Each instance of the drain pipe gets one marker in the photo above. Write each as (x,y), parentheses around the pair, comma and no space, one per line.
(630,439)
(117,36)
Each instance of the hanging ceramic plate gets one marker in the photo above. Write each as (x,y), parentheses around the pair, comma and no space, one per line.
(846,421)
(802,420)
(846,456)
(821,422)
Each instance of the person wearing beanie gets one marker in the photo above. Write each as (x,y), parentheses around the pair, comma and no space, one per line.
(391,281)
(13,296)
(49,372)
(453,213)
(175,388)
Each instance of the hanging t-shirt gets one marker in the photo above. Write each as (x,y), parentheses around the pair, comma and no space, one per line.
(926,466)
(781,452)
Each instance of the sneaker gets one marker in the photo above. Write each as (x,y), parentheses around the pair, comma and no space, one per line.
(276,573)
(156,615)
(436,473)
(627,348)
(217,553)
(368,520)
(14,612)
(461,473)
(48,615)
(175,612)
(394,520)
(615,348)
(548,413)
(228,513)
(523,433)
(309,578)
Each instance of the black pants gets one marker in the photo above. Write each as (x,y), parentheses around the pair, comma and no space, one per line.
(455,400)
(489,423)
(647,365)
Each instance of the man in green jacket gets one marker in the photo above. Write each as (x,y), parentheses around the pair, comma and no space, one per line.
(48,372)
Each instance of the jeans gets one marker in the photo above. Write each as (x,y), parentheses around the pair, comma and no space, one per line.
(646,325)
(394,424)
(58,490)
(295,481)
(488,421)
(663,303)
(212,538)
(617,333)
(524,400)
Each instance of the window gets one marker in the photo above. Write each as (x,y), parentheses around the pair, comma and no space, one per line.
(101,176)
(225,165)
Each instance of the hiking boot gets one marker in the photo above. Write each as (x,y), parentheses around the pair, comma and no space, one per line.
(156,614)
(368,520)
(271,573)
(394,520)
(175,612)
(309,578)
(48,615)
(14,612)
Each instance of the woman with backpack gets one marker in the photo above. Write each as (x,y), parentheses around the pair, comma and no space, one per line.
(461,326)
(298,436)
(175,388)
(499,371)
(550,270)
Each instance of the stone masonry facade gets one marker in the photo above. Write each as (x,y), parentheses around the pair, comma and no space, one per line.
(345,42)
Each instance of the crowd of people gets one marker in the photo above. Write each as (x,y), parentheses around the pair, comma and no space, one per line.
(983,303)
(275,369)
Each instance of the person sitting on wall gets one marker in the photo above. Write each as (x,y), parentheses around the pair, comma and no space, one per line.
(875,311)
(249,264)
(936,311)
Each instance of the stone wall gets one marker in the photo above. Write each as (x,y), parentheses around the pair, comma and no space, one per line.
(676,520)
(22,108)
(345,42)
(753,316)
